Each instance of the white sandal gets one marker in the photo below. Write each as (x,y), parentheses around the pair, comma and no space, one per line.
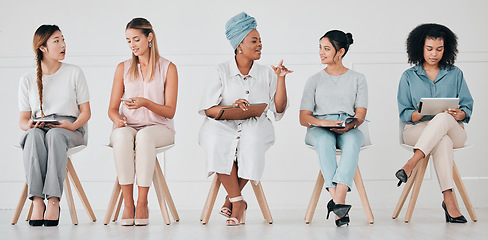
(225,211)
(235,221)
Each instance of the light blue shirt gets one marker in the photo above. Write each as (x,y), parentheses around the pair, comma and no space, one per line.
(415,84)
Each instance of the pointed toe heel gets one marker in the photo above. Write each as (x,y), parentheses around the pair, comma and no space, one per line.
(449,219)
(402,177)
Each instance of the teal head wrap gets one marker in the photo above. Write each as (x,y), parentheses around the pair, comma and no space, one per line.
(237,28)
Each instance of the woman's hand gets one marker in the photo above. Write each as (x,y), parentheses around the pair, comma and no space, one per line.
(36,124)
(136,103)
(63,124)
(327,123)
(281,70)
(457,113)
(122,122)
(241,103)
(341,131)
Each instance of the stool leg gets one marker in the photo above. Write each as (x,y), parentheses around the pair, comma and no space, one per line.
(419,178)
(79,189)
(312,205)
(358,180)
(405,192)
(29,211)
(69,198)
(111,204)
(120,200)
(209,203)
(464,193)
(159,193)
(20,204)
(263,204)
(166,193)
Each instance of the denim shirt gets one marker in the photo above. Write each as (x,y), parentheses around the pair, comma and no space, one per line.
(415,84)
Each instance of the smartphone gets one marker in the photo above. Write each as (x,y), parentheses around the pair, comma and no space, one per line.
(127,100)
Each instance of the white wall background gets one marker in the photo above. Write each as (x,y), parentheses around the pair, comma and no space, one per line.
(191,34)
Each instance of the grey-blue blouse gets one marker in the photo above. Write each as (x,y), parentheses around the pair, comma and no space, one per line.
(415,84)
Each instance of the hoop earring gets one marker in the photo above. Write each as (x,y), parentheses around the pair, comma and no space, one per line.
(150,44)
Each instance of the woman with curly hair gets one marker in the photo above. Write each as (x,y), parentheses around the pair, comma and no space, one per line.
(432,48)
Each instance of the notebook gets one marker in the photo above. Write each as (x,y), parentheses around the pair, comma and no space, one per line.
(236,113)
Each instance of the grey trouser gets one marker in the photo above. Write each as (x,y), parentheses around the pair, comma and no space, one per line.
(45,158)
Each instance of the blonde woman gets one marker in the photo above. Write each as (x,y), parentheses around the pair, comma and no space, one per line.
(56,91)
(147,86)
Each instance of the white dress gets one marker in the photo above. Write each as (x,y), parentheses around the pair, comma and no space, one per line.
(244,141)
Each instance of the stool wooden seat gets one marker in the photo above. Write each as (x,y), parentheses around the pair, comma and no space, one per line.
(415,181)
(358,181)
(70,175)
(214,190)
(416,178)
(162,192)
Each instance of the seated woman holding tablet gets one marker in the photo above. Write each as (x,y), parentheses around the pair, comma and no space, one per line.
(432,48)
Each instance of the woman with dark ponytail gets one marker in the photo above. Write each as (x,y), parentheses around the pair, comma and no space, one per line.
(330,97)
(54,91)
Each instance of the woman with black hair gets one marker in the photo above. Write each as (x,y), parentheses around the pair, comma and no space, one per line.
(329,98)
(432,48)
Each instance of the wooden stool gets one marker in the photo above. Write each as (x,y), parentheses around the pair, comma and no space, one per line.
(162,192)
(416,178)
(214,190)
(70,175)
(358,181)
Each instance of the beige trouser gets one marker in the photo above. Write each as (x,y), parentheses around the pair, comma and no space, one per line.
(439,137)
(127,142)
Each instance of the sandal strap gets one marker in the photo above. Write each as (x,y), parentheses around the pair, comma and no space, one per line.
(236,199)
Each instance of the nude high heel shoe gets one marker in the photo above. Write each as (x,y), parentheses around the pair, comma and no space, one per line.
(235,221)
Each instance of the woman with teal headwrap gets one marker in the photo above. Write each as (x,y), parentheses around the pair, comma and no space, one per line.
(235,148)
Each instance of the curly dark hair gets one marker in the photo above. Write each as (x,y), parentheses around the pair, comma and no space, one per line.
(416,41)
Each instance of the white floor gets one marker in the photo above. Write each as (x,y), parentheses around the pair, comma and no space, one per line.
(289,224)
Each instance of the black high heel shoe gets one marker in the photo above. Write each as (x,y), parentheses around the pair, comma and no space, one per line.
(341,221)
(40,222)
(52,223)
(330,207)
(341,210)
(460,219)
(402,177)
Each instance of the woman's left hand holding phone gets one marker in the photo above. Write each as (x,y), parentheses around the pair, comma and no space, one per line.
(135,102)
(37,124)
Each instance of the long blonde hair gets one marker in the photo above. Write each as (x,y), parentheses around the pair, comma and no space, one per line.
(42,34)
(145,26)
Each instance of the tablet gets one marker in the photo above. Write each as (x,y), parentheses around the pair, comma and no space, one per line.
(433,106)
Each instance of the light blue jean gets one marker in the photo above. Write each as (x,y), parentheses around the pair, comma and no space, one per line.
(326,142)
